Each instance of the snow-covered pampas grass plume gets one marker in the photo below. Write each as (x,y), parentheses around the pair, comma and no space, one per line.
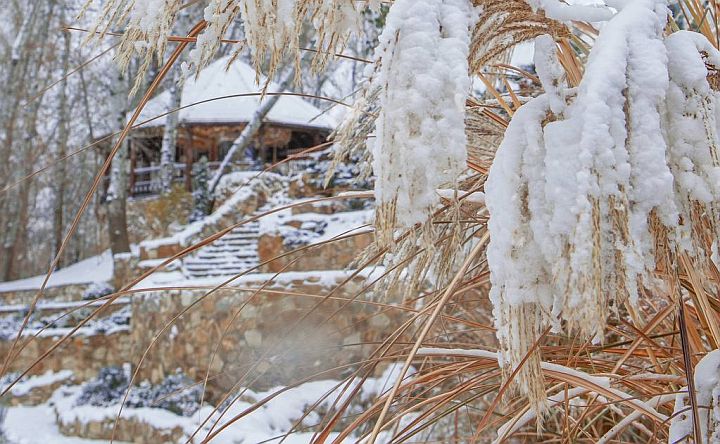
(271,29)
(580,192)
(352,135)
(694,155)
(422,75)
(334,21)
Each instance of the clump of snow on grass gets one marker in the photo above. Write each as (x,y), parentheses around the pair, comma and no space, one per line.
(693,134)
(423,75)
(581,194)
(575,11)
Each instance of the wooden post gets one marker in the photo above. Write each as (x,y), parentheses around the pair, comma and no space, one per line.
(133,165)
(188,158)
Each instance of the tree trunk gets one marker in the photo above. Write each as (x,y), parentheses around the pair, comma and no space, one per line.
(29,61)
(248,133)
(117,191)
(169,140)
(63,135)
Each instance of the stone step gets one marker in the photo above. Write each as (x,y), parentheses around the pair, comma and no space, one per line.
(232,254)
(220,251)
(225,267)
(219,274)
(235,236)
(247,242)
(241,252)
(220,261)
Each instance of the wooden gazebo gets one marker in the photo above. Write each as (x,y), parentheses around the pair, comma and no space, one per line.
(214,113)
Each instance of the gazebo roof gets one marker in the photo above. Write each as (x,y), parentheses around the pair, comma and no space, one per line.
(216,81)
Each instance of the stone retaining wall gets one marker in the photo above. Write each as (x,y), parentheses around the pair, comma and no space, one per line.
(128,430)
(84,355)
(284,333)
(338,254)
(65,293)
(257,340)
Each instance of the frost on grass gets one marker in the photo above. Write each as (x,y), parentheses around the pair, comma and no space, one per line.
(640,136)
(422,75)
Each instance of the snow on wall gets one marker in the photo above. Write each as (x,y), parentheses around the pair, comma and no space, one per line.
(28,384)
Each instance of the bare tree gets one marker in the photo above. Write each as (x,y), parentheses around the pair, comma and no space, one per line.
(251,129)
(63,113)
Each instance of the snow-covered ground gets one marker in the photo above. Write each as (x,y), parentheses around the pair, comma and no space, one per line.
(325,278)
(269,423)
(94,269)
(36,425)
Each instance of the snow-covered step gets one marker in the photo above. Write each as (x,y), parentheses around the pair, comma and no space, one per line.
(235,245)
(230,251)
(208,262)
(232,254)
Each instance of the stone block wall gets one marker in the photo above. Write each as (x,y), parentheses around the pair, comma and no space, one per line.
(65,293)
(282,334)
(84,355)
(127,430)
(337,254)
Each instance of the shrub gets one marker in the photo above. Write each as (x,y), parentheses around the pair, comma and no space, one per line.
(177,393)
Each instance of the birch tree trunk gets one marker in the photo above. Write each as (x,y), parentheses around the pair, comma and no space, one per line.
(169,140)
(117,191)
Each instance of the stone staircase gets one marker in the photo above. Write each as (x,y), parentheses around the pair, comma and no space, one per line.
(230,255)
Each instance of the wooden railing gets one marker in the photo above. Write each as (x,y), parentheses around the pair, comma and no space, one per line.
(146,180)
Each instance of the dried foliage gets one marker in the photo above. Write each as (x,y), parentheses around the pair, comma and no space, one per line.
(621,390)
(503,25)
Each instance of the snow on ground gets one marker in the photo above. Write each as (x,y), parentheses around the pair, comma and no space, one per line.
(268,423)
(94,269)
(36,425)
(26,385)
(325,278)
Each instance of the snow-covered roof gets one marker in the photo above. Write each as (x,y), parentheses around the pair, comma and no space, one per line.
(216,81)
